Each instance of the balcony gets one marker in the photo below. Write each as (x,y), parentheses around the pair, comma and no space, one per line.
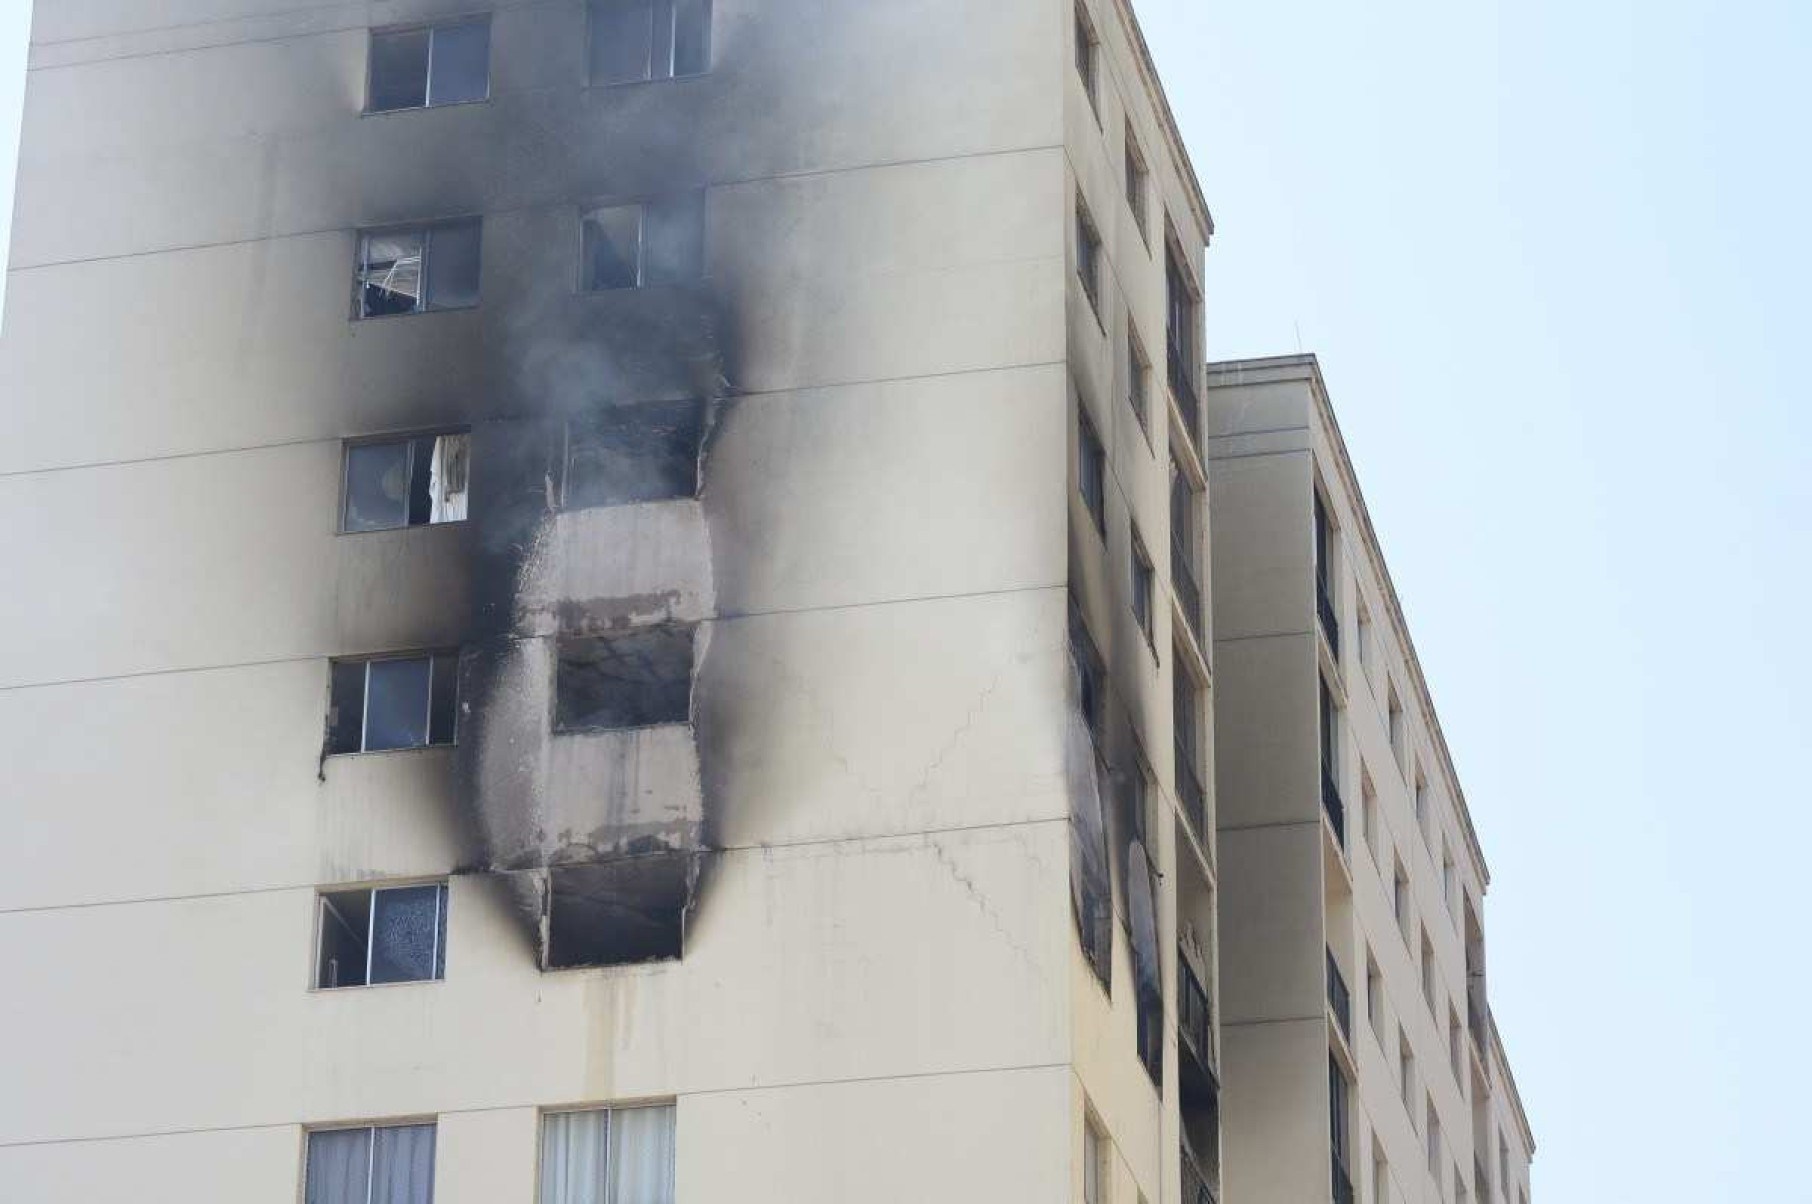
(1189,594)
(1343,1184)
(1197,1085)
(1332,804)
(1182,387)
(1339,998)
(1190,795)
(1330,621)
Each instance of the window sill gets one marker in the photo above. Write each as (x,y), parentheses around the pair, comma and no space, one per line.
(377,986)
(388,752)
(451,104)
(359,319)
(452,522)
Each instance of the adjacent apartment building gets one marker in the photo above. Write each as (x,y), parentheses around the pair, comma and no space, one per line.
(1361,1058)
(607,604)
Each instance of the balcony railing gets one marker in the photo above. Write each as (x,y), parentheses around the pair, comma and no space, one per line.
(1191,796)
(1343,1185)
(1189,594)
(1339,998)
(1182,386)
(1332,804)
(1330,621)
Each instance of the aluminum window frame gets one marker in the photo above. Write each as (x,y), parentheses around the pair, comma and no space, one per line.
(426,229)
(609,1110)
(442,920)
(709,31)
(410,438)
(432,28)
(365,663)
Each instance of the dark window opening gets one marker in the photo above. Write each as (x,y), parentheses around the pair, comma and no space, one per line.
(622,455)
(635,40)
(629,679)
(1091,673)
(1142,579)
(406,482)
(393,702)
(1091,470)
(658,242)
(1087,54)
(1088,257)
(419,269)
(386,935)
(618,912)
(424,67)
(1136,178)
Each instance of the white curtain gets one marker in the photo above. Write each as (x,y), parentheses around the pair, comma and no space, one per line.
(338,1163)
(402,1165)
(574,1157)
(447,478)
(641,1156)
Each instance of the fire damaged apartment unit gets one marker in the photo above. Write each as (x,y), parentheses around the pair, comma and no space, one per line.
(609,605)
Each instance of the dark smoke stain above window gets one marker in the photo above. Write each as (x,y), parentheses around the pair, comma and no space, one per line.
(652,243)
(622,455)
(425,66)
(627,679)
(405,482)
(418,268)
(635,40)
(384,703)
(390,934)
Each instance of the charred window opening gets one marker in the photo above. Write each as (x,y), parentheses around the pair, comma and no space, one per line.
(426,66)
(623,1154)
(621,455)
(384,703)
(627,679)
(385,935)
(386,1164)
(406,482)
(635,40)
(644,245)
(618,912)
(416,269)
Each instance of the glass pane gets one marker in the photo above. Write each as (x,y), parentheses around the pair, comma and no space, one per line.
(453,266)
(461,68)
(611,247)
(339,1164)
(377,487)
(421,472)
(345,923)
(675,235)
(399,70)
(346,708)
(443,718)
(622,40)
(691,37)
(390,273)
(396,704)
(641,1156)
(574,1157)
(402,1165)
(405,930)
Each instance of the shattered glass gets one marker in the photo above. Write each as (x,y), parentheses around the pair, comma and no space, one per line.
(406,927)
(396,704)
(390,273)
(399,70)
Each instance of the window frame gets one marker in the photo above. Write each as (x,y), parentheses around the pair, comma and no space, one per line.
(431,28)
(437,954)
(609,1110)
(1138,384)
(1138,185)
(431,656)
(363,236)
(1088,59)
(1089,247)
(1090,449)
(641,205)
(1143,573)
(410,439)
(709,32)
(371,1129)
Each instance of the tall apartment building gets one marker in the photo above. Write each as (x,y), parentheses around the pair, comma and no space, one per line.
(1360,1051)
(606,604)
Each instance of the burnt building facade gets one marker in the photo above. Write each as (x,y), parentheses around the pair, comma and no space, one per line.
(609,604)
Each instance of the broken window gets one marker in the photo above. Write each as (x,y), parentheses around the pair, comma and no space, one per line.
(653,243)
(418,268)
(429,65)
(626,679)
(388,1164)
(1141,587)
(624,454)
(633,40)
(621,1154)
(393,702)
(390,934)
(1091,470)
(405,482)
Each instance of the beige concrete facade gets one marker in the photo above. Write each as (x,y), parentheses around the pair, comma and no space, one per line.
(1354,950)
(882,993)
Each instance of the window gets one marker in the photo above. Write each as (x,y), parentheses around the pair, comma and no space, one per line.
(384,703)
(1454,1045)
(645,245)
(1094,1163)
(635,40)
(1339,1122)
(1428,973)
(429,65)
(1406,1072)
(624,454)
(1374,997)
(640,678)
(1503,1165)
(1449,881)
(1182,334)
(405,482)
(1137,179)
(1400,900)
(1364,636)
(624,1155)
(1088,257)
(418,269)
(1138,380)
(1088,54)
(1434,1140)
(1421,796)
(1368,810)
(1091,470)
(1142,578)
(1395,727)
(384,935)
(388,1164)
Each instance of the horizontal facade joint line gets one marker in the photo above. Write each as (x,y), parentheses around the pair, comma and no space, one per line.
(1282,823)
(1263,635)
(1261,455)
